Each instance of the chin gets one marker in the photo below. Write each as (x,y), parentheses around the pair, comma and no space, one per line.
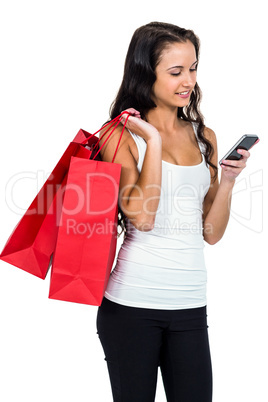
(183,104)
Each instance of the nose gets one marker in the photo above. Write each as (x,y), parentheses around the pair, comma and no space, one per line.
(189,79)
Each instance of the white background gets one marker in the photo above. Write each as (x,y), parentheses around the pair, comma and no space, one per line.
(61,65)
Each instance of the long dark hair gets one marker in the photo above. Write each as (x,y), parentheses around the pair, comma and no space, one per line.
(143,56)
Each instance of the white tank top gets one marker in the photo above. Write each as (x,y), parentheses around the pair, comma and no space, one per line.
(164,268)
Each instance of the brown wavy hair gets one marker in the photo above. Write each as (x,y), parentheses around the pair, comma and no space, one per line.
(143,56)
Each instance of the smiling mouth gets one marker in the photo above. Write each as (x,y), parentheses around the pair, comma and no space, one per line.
(183,93)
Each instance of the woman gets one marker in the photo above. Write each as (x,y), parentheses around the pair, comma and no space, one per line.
(154,310)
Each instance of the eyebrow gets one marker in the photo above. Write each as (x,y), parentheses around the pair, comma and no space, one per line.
(181,66)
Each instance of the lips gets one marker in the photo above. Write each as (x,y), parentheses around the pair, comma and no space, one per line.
(183,93)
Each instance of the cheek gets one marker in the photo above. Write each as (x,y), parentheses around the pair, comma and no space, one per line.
(164,87)
(156,90)
(173,84)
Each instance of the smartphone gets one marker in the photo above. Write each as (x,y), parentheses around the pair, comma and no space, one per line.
(245,142)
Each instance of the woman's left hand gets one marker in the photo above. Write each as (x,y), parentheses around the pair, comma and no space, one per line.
(231,169)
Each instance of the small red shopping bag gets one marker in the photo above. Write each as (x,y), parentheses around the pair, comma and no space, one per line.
(32,242)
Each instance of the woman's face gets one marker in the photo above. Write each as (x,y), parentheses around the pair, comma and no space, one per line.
(175,75)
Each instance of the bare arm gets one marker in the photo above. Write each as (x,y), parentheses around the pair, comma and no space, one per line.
(139,194)
(217,203)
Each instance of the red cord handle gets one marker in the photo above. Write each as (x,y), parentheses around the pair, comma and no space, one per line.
(110,135)
(108,126)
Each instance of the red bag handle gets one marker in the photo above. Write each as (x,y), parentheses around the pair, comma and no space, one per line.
(109,125)
(110,135)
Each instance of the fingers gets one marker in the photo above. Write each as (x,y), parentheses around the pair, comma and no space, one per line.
(129,112)
(245,154)
(132,112)
(232,168)
(239,164)
(234,164)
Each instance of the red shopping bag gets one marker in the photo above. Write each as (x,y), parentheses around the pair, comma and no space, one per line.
(87,237)
(32,242)
(86,241)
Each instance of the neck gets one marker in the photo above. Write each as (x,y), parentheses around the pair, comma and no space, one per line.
(164,120)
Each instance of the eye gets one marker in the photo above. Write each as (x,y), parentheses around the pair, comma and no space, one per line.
(175,74)
(194,69)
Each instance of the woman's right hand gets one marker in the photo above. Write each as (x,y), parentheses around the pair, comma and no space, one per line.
(139,126)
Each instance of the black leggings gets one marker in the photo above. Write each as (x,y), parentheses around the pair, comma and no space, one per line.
(138,340)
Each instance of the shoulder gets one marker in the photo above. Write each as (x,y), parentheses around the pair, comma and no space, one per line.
(209,133)
(109,144)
